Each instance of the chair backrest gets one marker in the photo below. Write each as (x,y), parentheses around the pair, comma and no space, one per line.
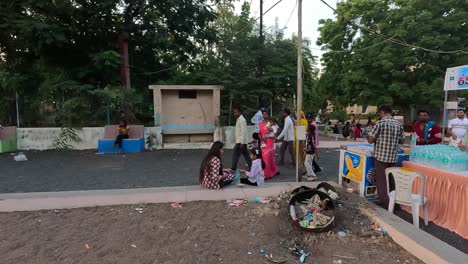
(404,179)
(111,131)
(7,133)
(135,132)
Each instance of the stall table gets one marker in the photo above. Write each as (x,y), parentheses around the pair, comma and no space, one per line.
(357,168)
(447,195)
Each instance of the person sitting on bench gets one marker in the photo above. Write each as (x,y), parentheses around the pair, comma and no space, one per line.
(123,134)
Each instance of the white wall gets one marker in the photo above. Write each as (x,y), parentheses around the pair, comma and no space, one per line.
(43,138)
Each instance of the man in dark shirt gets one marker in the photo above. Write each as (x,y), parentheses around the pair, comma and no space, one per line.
(428,132)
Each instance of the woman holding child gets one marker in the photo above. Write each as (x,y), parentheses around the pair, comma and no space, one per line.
(267,145)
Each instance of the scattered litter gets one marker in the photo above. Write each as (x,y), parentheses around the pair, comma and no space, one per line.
(350,190)
(133,246)
(303,257)
(220,226)
(20,157)
(87,246)
(176,205)
(261,200)
(240,185)
(99,153)
(314,212)
(337,261)
(250,253)
(252,234)
(330,193)
(236,202)
(271,259)
(346,257)
(139,210)
(341,233)
(262,251)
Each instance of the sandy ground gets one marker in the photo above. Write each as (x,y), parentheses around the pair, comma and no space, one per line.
(199,232)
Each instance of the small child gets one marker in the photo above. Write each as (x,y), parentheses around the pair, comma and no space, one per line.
(255,176)
(255,142)
(311,152)
(274,126)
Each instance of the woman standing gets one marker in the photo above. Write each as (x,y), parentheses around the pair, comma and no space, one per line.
(212,174)
(267,144)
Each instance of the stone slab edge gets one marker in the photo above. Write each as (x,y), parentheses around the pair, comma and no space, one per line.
(11,202)
(422,245)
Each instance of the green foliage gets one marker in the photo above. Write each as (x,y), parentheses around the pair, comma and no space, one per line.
(65,54)
(253,74)
(375,71)
(66,138)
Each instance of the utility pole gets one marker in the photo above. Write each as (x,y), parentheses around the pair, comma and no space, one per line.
(299,80)
(260,71)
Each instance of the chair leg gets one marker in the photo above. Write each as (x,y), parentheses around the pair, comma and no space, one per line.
(391,205)
(415,208)
(426,214)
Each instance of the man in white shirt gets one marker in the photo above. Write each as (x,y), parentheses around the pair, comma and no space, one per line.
(288,137)
(257,118)
(457,128)
(241,140)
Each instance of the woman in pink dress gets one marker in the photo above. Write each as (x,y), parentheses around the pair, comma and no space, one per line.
(267,144)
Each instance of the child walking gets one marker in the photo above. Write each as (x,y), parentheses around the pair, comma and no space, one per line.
(311,152)
(255,176)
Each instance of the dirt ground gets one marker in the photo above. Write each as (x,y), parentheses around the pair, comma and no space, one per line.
(199,232)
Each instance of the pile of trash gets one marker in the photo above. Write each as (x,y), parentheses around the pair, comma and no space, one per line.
(313,209)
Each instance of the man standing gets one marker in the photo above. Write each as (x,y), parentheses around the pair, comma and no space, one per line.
(428,132)
(288,137)
(257,118)
(457,128)
(386,135)
(241,140)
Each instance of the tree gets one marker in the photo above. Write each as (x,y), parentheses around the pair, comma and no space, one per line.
(66,52)
(232,61)
(373,56)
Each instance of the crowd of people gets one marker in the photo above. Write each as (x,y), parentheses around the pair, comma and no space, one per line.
(259,150)
(388,134)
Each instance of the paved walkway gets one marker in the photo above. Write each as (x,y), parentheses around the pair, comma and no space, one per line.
(49,171)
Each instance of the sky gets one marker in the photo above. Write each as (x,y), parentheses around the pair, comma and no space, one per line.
(312,12)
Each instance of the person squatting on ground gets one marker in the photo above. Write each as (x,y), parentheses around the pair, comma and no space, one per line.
(241,140)
(123,134)
(255,176)
(212,175)
(386,135)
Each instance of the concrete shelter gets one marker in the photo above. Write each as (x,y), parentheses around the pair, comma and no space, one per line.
(186,113)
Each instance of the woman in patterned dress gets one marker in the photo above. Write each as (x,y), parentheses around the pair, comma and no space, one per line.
(212,174)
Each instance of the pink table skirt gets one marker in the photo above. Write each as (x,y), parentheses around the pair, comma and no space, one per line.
(447,195)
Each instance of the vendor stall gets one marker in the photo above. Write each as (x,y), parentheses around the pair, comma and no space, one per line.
(447,196)
(357,168)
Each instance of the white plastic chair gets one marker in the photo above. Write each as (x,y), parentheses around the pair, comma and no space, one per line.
(402,194)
